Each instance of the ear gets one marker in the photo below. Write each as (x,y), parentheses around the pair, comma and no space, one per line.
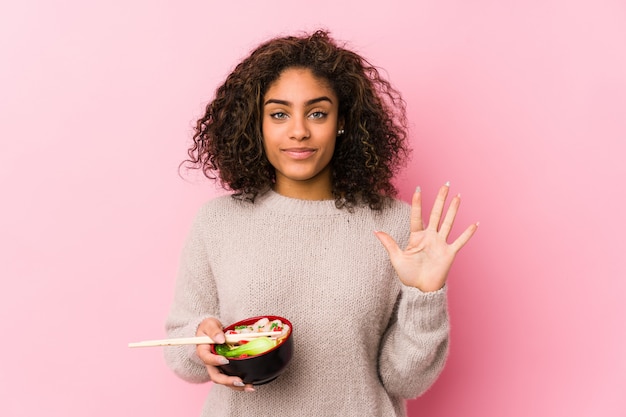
(341,123)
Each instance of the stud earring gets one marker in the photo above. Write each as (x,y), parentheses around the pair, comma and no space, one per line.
(340,132)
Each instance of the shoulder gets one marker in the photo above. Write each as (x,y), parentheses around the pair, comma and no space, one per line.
(395,209)
(224,202)
(396,206)
(394,218)
(220,208)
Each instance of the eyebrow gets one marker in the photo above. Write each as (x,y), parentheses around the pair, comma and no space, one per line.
(308,103)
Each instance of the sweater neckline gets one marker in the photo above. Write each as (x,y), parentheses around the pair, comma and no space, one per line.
(288,205)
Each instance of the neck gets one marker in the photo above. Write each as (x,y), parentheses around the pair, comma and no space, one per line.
(317,188)
(303,193)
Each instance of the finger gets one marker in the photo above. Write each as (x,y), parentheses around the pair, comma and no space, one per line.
(390,245)
(464,238)
(213,328)
(448,220)
(218,337)
(416,211)
(232,382)
(435,214)
(204,353)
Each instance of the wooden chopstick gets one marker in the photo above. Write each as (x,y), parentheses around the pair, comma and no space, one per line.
(201,340)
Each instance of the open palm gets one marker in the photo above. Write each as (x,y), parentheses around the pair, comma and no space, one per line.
(427,258)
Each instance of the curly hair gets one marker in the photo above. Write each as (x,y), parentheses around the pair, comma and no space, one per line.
(228,145)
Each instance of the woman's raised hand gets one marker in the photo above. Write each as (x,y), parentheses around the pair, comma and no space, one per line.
(425,262)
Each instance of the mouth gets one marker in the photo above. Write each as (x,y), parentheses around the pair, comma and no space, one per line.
(299,153)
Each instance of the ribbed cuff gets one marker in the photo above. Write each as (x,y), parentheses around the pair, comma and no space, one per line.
(427,310)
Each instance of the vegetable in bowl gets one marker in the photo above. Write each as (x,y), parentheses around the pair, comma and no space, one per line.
(256,345)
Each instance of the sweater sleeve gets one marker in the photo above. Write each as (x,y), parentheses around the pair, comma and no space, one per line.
(415,346)
(195,298)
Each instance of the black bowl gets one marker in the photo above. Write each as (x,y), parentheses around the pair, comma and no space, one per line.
(267,366)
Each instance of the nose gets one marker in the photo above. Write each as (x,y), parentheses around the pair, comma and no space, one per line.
(299,129)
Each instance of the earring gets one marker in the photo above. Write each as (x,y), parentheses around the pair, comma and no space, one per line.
(340,132)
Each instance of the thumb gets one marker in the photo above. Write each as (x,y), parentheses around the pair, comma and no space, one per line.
(388,242)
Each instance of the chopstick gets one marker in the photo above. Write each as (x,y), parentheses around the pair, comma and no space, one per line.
(201,340)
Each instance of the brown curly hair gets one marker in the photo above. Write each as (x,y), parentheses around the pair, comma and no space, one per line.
(228,145)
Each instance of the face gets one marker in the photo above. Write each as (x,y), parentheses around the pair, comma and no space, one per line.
(300,123)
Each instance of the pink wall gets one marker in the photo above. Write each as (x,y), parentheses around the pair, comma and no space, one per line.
(521,105)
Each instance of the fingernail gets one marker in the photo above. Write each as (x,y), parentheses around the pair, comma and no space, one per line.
(239,384)
(223,361)
(447,184)
(418,189)
(219,338)
(249,389)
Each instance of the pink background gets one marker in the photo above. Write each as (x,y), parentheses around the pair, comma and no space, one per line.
(521,105)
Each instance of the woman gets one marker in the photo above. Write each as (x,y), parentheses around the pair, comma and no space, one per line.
(307,135)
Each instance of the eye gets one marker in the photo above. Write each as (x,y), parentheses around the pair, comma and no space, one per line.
(278,115)
(317,115)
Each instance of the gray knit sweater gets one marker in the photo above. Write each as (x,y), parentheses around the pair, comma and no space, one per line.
(362,341)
